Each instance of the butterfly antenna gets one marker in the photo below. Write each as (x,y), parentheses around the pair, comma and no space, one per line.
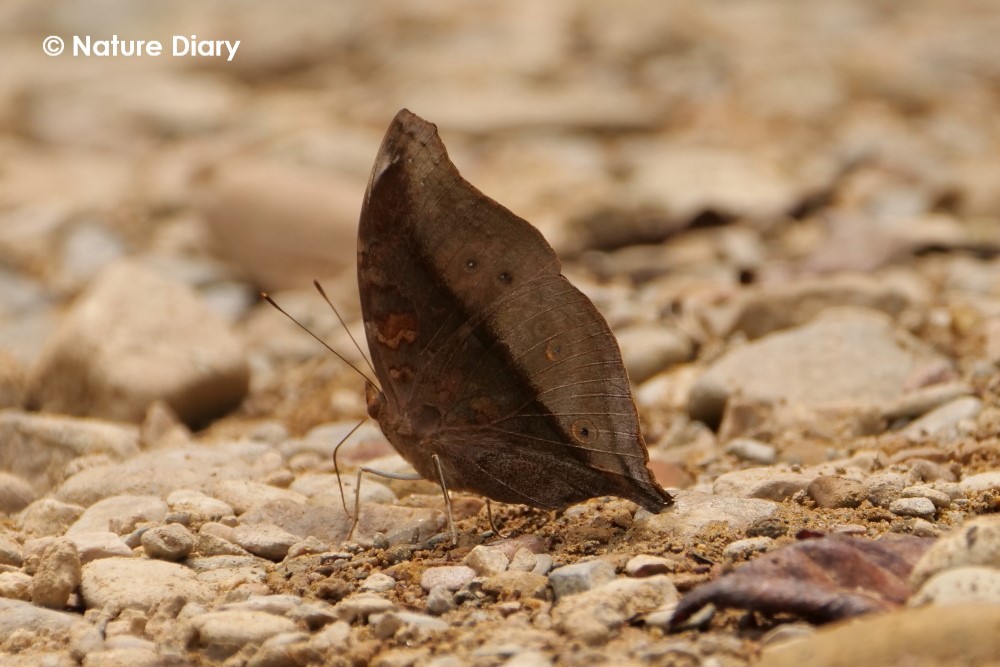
(336,467)
(319,288)
(267,297)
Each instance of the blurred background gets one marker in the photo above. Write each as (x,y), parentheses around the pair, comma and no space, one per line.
(674,153)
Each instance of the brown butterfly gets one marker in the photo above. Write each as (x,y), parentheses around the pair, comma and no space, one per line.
(498,376)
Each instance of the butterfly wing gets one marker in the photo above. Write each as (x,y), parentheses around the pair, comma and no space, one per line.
(487,355)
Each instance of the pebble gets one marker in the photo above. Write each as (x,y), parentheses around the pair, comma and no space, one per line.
(158,472)
(881,489)
(647,349)
(514,585)
(440,600)
(753,451)
(57,574)
(10,551)
(188,358)
(264,540)
(523,561)
(984,481)
(332,637)
(103,544)
(580,577)
(37,448)
(960,585)
(486,561)
(15,493)
(222,633)
(943,423)
(923,400)
(764,483)
(310,545)
(140,583)
(747,547)
(921,636)
(279,650)
(378,582)
(832,492)
(450,577)
(975,543)
(940,499)
(593,616)
(645,565)
(405,626)
(119,514)
(20,615)
(198,504)
(917,507)
(860,356)
(360,606)
(48,516)
(15,585)
(171,542)
(692,512)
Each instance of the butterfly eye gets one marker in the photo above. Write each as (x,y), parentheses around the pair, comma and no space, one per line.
(471,264)
(505,277)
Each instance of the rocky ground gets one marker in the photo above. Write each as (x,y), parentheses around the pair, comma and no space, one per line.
(788,213)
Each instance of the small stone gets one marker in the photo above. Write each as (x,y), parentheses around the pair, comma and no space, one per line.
(944,422)
(940,499)
(15,493)
(57,576)
(649,348)
(222,633)
(85,639)
(265,540)
(523,561)
(975,543)
(120,514)
(139,583)
(764,483)
(754,451)
(645,565)
(883,488)
(962,585)
(917,507)
(924,528)
(332,638)
(378,582)
(198,504)
(486,561)
(48,516)
(593,616)
(543,564)
(835,492)
(579,577)
(514,585)
(440,600)
(15,585)
(451,577)
(10,551)
(279,650)
(984,481)
(741,549)
(406,626)
(360,607)
(92,546)
(172,542)
(188,356)
(309,546)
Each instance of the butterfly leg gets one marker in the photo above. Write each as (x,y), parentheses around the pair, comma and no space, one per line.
(406,477)
(447,499)
(493,526)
